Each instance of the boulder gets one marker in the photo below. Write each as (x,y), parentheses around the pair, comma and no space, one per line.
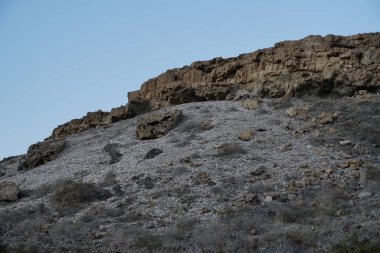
(324,118)
(8,191)
(156,125)
(246,136)
(291,112)
(41,153)
(250,104)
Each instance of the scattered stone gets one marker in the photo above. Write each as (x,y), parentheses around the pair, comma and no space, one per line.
(344,155)
(207,125)
(332,130)
(250,104)
(364,194)
(291,112)
(8,191)
(156,125)
(292,186)
(324,118)
(246,136)
(153,153)
(268,199)
(316,133)
(252,232)
(258,171)
(100,234)
(302,113)
(354,174)
(287,126)
(328,171)
(345,143)
(286,147)
(303,165)
(363,95)
(344,164)
(41,153)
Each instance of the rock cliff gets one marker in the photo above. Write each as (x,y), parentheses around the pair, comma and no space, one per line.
(315,65)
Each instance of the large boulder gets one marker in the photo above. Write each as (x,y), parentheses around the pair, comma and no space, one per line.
(8,191)
(41,153)
(156,125)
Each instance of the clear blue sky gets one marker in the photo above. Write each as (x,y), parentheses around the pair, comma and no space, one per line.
(61,59)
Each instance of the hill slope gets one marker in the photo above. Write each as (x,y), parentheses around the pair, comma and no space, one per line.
(248,174)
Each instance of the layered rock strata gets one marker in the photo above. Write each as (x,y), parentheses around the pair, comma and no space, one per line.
(315,65)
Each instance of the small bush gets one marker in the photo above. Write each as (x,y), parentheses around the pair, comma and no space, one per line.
(356,245)
(228,149)
(72,196)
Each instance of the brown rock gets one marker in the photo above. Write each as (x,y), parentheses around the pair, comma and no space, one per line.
(246,136)
(324,118)
(345,143)
(41,153)
(156,125)
(303,165)
(250,104)
(258,171)
(8,191)
(315,65)
(291,112)
(286,147)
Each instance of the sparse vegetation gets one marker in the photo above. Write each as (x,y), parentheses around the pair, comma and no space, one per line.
(229,149)
(73,196)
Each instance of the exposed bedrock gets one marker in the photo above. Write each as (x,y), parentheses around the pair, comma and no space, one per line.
(315,65)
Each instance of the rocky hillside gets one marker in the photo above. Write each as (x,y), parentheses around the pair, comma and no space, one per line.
(292,170)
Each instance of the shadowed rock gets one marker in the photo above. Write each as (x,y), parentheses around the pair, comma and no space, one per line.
(154,126)
(41,153)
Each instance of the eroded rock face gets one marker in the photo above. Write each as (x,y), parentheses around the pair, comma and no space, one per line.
(313,65)
(8,191)
(92,120)
(41,153)
(154,126)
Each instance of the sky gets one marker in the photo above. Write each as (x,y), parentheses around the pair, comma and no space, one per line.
(61,59)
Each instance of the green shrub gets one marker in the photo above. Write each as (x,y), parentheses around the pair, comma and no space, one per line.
(72,196)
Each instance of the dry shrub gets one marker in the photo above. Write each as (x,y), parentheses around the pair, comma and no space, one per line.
(229,149)
(72,196)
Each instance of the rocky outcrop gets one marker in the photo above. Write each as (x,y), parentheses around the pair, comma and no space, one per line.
(154,126)
(313,65)
(41,153)
(91,120)
(8,191)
